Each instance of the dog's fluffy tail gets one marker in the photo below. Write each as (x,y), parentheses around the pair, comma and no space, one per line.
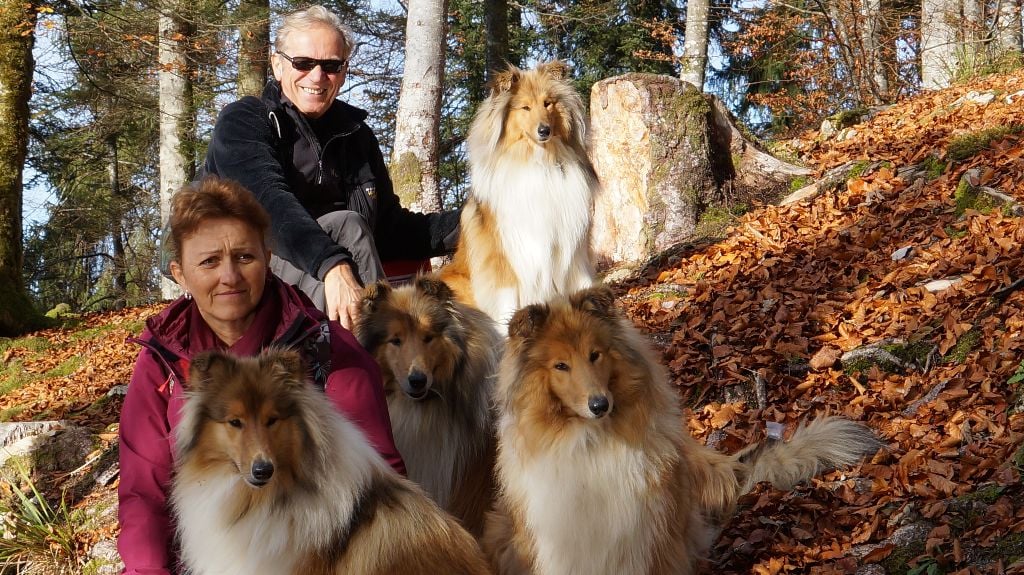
(821,445)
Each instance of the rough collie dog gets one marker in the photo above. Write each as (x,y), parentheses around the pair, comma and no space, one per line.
(272,479)
(597,474)
(438,358)
(525,228)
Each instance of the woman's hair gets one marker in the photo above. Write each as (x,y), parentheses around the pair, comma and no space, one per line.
(307,18)
(213,198)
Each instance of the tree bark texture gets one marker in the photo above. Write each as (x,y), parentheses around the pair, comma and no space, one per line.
(695,45)
(496,34)
(177,115)
(253,46)
(17,27)
(652,147)
(417,121)
(939,47)
(1009,38)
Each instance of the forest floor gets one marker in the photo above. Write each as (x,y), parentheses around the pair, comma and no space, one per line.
(907,253)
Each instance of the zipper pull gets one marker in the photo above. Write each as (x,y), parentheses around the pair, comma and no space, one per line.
(319,171)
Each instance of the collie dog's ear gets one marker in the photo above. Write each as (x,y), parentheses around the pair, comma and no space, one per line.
(555,69)
(504,81)
(598,301)
(435,288)
(288,361)
(528,320)
(374,294)
(208,366)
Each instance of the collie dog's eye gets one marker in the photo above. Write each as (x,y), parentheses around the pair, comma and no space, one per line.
(428,338)
(525,108)
(548,103)
(271,421)
(395,341)
(594,356)
(562,366)
(235,423)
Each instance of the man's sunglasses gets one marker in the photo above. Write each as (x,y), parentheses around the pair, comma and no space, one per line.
(304,64)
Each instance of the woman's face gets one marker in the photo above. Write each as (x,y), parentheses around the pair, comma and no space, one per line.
(224,266)
(314,91)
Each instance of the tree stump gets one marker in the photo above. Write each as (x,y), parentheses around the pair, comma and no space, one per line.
(651,144)
(664,152)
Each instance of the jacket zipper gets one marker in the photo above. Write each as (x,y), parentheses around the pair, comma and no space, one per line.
(307,133)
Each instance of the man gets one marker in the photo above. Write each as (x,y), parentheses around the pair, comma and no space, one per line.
(316,166)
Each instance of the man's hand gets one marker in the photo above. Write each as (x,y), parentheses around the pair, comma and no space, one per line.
(342,292)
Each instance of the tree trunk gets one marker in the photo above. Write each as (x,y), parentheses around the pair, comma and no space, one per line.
(177,116)
(664,152)
(875,75)
(253,46)
(17,34)
(695,45)
(1009,38)
(417,121)
(652,147)
(117,231)
(972,34)
(496,35)
(939,46)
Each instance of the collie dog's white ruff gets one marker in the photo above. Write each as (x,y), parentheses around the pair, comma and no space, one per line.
(438,358)
(525,229)
(597,474)
(331,506)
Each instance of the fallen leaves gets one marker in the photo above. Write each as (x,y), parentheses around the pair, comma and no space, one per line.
(791,288)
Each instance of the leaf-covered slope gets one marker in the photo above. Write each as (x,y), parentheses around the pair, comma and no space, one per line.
(790,289)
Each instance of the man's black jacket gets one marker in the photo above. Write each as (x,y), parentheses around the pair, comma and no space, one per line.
(300,170)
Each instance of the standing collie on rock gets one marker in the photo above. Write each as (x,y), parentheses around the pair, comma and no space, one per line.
(438,358)
(525,229)
(270,479)
(597,473)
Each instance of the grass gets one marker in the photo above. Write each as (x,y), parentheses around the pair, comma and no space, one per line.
(36,532)
(933,167)
(967,342)
(966,146)
(799,182)
(858,169)
(967,197)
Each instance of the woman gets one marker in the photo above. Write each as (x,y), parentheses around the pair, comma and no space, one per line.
(317,167)
(233,303)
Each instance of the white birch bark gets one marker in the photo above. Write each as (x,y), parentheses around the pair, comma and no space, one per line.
(874,49)
(1009,38)
(695,44)
(939,46)
(417,121)
(176,117)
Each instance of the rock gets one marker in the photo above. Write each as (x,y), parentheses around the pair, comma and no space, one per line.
(22,438)
(942,284)
(827,130)
(104,558)
(902,253)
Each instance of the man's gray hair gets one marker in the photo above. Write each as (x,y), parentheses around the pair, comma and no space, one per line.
(316,15)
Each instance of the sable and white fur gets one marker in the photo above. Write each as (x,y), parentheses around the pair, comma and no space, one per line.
(438,358)
(596,472)
(525,228)
(271,479)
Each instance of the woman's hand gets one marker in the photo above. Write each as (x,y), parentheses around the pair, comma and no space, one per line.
(342,293)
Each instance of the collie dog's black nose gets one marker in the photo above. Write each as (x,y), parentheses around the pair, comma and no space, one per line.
(598,405)
(262,470)
(417,382)
(544,131)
